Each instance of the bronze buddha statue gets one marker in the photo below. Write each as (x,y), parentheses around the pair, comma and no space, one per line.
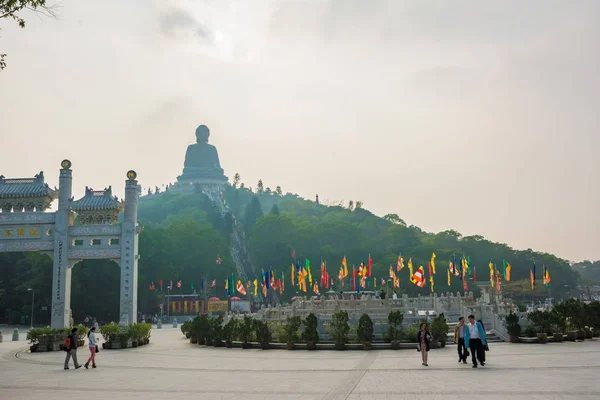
(202,159)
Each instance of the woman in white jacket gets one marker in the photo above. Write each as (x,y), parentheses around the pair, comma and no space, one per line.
(93,346)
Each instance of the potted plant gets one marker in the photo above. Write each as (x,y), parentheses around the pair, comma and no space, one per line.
(185,328)
(244,331)
(292,327)
(439,329)
(217,331)
(110,332)
(395,319)
(512,327)
(200,329)
(82,331)
(541,321)
(365,331)
(339,329)
(310,334)
(263,334)
(229,331)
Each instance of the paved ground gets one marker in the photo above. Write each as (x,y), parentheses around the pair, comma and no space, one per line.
(171,368)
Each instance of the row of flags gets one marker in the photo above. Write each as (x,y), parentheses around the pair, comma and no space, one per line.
(152,286)
(301,276)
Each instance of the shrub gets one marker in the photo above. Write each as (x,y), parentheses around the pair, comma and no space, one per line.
(339,327)
(541,320)
(110,332)
(395,319)
(411,333)
(245,329)
(216,325)
(521,307)
(310,333)
(574,310)
(40,334)
(200,328)
(512,324)
(262,331)
(230,330)
(559,317)
(530,331)
(185,327)
(292,329)
(439,329)
(365,329)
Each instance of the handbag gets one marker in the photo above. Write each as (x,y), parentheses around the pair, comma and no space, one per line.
(97,351)
(486,348)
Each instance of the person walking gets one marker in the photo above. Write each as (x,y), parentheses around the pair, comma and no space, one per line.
(382,295)
(459,339)
(93,346)
(71,350)
(475,341)
(485,346)
(423,339)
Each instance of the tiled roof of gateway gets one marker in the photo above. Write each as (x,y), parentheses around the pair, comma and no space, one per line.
(97,200)
(25,187)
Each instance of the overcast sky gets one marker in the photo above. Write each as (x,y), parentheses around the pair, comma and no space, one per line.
(479,116)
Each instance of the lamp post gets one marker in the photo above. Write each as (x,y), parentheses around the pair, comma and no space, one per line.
(32,302)
(168,302)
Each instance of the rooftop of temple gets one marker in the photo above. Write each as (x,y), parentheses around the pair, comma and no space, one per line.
(26,188)
(97,200)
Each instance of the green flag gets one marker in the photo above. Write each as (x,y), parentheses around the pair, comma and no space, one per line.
(192,283)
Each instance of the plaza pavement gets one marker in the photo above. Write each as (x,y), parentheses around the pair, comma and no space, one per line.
(171,368)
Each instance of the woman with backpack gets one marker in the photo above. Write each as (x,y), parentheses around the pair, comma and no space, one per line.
(93,346)
(423,339)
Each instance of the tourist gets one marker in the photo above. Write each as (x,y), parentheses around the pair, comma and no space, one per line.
(459,339)
(93,346)
(423,339)
(382,295)
(72,350)
(485,346)
(475,341)
(395,295)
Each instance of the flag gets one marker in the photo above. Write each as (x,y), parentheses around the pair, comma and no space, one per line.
(240,288)
(474,276)
(430,269)
(532,279)
(227,287)
(293,273)
(152,286)
(382,281)
(255,287)
(400,263)
(353,278)
(294,254)
(458,270)
(218,260)
(214,283)
(316,288)
(272,277)
(392,274)
(345,265)
(369,265)
(418,278)
(179,284)
(160,284)
(171,285)
(507,272)
(410,266)
(433,262)
(546,277)
(374,282)
(192,284)
(248,285)
(448,277)
(498,281)
(491,273)
(464,279)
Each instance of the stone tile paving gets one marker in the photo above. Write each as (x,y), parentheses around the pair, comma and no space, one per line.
(172,368)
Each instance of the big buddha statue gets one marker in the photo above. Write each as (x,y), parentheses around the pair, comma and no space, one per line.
(202,162)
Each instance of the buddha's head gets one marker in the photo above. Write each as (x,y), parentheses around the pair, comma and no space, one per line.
(202,134)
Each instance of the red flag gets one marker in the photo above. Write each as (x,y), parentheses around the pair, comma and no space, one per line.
(327,278)
(430,270)
(214,283)
(171,285)
(474,275)
(294,254)
(179,284)
(160,283)
(353,278)
(369,265)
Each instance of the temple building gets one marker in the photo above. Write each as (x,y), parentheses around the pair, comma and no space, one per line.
(201,164)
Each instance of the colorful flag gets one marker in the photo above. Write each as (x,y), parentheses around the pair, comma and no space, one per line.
(316,288)
(491,273)
(218,260)
(448,277)
(152,286)
(433,262)
(507,273)
(171,285)
(160,284)
(400,263)
(418,278)
(240,288)
(546,277)
(369,265)
(214,283)
(179,284)
(532,279)
(498,281)
(410,267)
(464,279)
(293,273)
(227,287)
(353,278)
(345,265)
(255,287)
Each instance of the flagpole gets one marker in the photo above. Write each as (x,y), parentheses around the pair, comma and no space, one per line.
(168,303)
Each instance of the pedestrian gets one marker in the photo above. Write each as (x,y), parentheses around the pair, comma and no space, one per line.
(485,346)
(423,339)
(395,295)
(93,346)
(382,295)
(71,349)
(475,340)
(459,339)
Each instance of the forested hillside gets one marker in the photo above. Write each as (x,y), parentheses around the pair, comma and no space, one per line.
(184,235)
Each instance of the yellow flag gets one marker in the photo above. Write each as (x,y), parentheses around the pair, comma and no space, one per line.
(448,278)
(255,287)
(433,262)
(410,266)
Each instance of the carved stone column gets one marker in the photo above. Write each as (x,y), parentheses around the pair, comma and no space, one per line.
(129,253)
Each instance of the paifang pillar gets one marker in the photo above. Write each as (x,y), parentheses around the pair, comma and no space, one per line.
(61,271)
(129,253)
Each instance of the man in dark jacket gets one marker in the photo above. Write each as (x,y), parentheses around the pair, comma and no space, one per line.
(72,350)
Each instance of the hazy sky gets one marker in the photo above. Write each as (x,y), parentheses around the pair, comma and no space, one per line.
(479,116)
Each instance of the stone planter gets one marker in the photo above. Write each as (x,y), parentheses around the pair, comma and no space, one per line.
(134,343)
(80,343)
(395,346)
(572,336)
(289,346)
(246,345)
(193,340)
(589,334)
(187,335)
(580,335)
(105,346)
(264,346)
(201,341)
(340,346)
(367,346)
(115,345)
(513,339)
(229,344)
(542,338)
(557,337)
(434,344)
(311,345)
(218,343)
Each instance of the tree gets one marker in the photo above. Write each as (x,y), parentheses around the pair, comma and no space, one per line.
(394,218)
(12,9)
(260,188)
(358,205)
(252,214)
(268,190)
(278,191)
(236,179)
(275,210)
(351,205)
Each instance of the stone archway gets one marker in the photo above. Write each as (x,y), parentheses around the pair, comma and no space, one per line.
(26,226)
